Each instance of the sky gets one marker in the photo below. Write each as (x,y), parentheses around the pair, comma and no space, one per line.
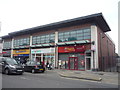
(17,15)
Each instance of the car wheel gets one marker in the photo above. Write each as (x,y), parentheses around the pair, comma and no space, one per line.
(33,71)
(43,71)
(7,72)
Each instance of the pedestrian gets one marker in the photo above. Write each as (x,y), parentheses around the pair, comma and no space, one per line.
(47,65)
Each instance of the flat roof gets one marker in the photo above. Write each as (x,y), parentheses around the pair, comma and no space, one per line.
(97,19)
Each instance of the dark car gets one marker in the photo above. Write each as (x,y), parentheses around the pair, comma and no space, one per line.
(33,66)
(10,66)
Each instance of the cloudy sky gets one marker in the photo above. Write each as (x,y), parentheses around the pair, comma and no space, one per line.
(17,15)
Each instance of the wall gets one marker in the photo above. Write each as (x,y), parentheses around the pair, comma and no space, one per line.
(106,51)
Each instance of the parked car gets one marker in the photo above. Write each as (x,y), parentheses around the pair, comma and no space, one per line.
(33,66)
(10,66)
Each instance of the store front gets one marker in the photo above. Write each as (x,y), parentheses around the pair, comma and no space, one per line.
(6,53)
(44,55)
(21,54)
(72,57)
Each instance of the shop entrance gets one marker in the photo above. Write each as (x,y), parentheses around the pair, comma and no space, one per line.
(88,63)
(44,58)
(73,63)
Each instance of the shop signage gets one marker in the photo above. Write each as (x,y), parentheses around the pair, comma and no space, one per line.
(6,53)
(68,49)
(45,50)
(21,51)
(93,47)
(21,55)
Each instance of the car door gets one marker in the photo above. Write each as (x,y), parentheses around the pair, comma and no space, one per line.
(27,66)
(31,65)
(1,65)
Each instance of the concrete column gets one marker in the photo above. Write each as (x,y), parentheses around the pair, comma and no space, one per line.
(56,49)
(12,46)
(30,54)
(41,57)
(94,47)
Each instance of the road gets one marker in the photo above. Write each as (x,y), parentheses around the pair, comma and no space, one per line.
(49,79)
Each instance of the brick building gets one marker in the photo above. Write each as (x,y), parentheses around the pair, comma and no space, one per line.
(75,44)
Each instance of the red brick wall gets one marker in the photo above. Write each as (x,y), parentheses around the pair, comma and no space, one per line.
(106,49)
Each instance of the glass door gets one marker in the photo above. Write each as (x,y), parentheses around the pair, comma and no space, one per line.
(88,63)
(73,63)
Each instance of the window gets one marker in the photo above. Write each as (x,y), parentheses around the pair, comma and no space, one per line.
(48,38)
(21,42)
(78,34)
(7,44)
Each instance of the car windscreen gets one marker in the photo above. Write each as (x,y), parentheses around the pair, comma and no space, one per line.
(34,63)
(11,61)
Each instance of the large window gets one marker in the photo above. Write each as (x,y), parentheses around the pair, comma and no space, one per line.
(7,45)
(22,42)
(49,38)
(79,34)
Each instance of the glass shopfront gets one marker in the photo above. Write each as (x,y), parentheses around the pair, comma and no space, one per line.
(44,55)
(72,57)
(22,54)
(6,53)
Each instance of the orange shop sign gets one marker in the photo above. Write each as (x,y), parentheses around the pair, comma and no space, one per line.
(68,49)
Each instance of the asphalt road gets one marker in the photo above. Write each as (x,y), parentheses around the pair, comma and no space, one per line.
(49,79)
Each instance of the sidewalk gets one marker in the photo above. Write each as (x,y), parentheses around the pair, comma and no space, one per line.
(103,77)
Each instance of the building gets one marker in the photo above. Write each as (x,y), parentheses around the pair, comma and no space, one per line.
(1,46)
(75,44)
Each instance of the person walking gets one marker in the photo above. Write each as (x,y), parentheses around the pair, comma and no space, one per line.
(47,65)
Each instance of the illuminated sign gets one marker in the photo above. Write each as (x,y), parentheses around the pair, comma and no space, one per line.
(45,50)
(21,51)
(68,49)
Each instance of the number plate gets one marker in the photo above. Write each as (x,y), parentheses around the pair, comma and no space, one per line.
(19,70)
(40,69)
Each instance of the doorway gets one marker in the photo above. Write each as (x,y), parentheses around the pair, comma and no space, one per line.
(73,63)
(88,63)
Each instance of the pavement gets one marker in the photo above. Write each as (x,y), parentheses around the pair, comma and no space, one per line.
(103,77)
